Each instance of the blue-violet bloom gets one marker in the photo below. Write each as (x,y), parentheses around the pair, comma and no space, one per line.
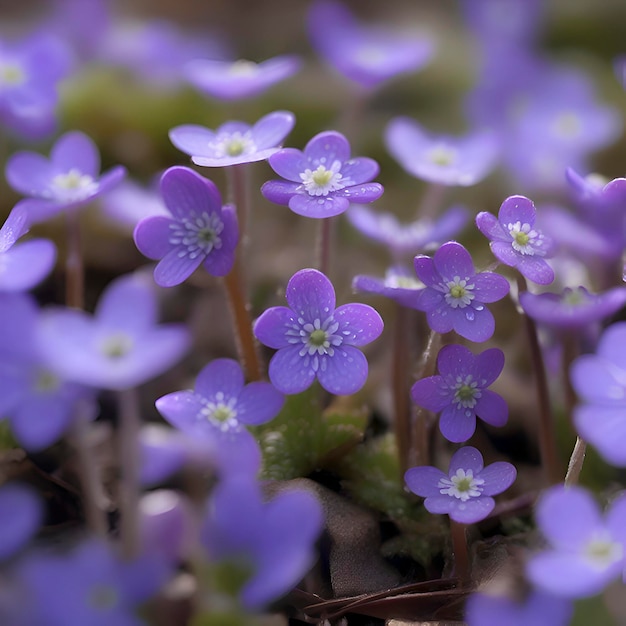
(21,514)
(399,284)
(316,340)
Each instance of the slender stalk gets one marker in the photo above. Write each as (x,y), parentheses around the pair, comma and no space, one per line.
(547,444)
(400,384)
(575,464)
(128,444)
(239,195)
(462,566)
(74,268)
(431,201)
(324,244)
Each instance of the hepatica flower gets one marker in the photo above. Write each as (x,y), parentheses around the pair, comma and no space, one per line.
(455,294)
(367,56)
(465,493)
(585,549)
(234,142)
(399,284)
(460,391)
(234,80)
(452,161)
(120,346)
(515,241)
(322,180)
(69,179)
(200,230)
(21,514)
(316,340)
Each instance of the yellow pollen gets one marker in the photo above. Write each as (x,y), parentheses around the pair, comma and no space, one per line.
(11,75)
(522,238)
(456,291)
(235,147)
(321,176)
(317,337)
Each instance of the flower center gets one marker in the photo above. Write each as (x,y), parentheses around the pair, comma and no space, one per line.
(221,411)
(526,240)
(370,55)
(442,155)
(103,597)
(575,297)
(462,485)
(233,144)
(46,381)
(466,392)
(116,346)
(73,186)
(398,281)
(243,68)
(197,234)
(567,125)
(11,75)
(459,293)
(601,552)
(318,338)
(322,181)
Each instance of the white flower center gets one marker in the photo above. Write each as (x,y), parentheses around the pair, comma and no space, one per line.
(322,181)
(233,144)
(46,382)
(197,234)
(370,55)
(462,485)
(602,552)
(567,125)
(318,338)
(442,155)
(457,293)
(243,68)
(221,411)
(11,74)
(526,240)
(103,597)
(73,186)
(466,392)
(116,346)
(399,281)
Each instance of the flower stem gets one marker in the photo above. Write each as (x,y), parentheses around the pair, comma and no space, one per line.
(547,444)
(128,442)
(324,241)
(238,194)
(462,566)
(74,268)
(576,462)
(431,202)
(400,383)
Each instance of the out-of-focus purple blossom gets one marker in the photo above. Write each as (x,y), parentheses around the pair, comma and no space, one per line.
(538,608)
(460,391)
(68,179)
(234,142)
(572,308)
(219,409)
(399,284)
(619,65)
(128,203)
(465,493)
(30,72)
(365,55)
(515,241)
(410,238)
(200,230)
(120,346)
(600,382)
(21,514)
(316,340)
(455,295)
(271,543)
(22,265)
(441,159)
(38,402)
(323,180)
(90,585)
(585,551)
(228,80)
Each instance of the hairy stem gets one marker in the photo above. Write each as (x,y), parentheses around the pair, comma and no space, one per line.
(74,268)
(462,566)
(400,384)
(324,244)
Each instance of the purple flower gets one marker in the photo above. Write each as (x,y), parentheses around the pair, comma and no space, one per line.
(22,265)
(465,492)
(455,294)
(227,80)
(367,56)
(443,160)
(119,347)
(220,408)
(272,542)
(538,608)
(234,142)
(322,180)
(600,382)
(399,284)
(515,241)
(200,231)
(408,238)
(572,308)
(585,550)
(130,202)
(68,179)
(39,403)
(316,340)
(21,514)
(460,391)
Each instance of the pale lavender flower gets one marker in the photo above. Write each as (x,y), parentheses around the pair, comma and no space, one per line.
(585,549)
(129,202)
(455,295)
(234,142)
(200,230)
(465,493)
(21,514)
(460,391)
(323,180)
(365,55)
(120,346)
(273,542)
(316,340)
(228,80)
(441,159)
(399,284)
(515,241)
(69,179)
